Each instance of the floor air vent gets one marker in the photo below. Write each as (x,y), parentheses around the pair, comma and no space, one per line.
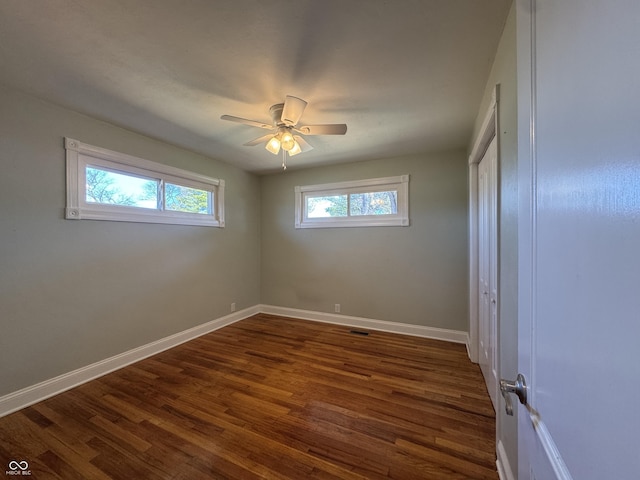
(359,332)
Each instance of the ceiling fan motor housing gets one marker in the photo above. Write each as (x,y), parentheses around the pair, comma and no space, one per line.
(276,114)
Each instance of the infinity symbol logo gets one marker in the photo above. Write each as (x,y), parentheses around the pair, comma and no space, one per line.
(23,465)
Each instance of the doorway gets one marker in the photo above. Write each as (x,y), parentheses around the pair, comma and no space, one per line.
(483,250)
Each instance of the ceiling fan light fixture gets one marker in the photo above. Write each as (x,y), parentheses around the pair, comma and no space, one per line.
(295,150)
(273,145)
(287,141)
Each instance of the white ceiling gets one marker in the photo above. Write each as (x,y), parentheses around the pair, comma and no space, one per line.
(406,76)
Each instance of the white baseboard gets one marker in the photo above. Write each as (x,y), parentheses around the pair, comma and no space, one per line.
(15,401)
(43,390)
(504,467)
(454,336)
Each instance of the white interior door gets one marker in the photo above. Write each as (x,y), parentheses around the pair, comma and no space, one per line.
(579,232)
(488,269)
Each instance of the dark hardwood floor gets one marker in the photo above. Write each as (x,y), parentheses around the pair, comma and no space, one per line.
(269,397)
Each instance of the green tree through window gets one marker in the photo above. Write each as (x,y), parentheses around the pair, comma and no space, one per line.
(373,203)
(354,204)
(186,199)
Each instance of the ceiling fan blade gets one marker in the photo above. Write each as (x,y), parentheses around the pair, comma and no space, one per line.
(244,121)
(328,129)
(258,140)
(292,110)
(304,145)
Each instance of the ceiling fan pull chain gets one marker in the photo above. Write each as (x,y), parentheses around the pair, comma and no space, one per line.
(284,159)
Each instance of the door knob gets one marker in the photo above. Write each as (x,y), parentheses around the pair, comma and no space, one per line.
(519,387)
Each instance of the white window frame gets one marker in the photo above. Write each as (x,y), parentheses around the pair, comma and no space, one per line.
(80,155)
(400,184)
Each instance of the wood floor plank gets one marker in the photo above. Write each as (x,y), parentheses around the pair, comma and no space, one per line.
(269,397)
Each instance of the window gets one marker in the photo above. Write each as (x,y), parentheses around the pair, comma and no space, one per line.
(107,185)
(364,203)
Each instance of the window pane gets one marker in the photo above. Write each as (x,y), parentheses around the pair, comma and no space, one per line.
(373,203)
(187,199)
(108,187)
(327,206)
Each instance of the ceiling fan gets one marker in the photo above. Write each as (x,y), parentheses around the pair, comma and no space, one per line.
(286,134)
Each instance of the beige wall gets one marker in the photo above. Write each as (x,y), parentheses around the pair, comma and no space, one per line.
(75,292)
(503,72)
(415,275)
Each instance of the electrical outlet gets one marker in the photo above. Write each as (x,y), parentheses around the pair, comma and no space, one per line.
(337,308)
(233,307)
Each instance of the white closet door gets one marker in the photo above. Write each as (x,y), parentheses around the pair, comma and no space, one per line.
(488,268)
